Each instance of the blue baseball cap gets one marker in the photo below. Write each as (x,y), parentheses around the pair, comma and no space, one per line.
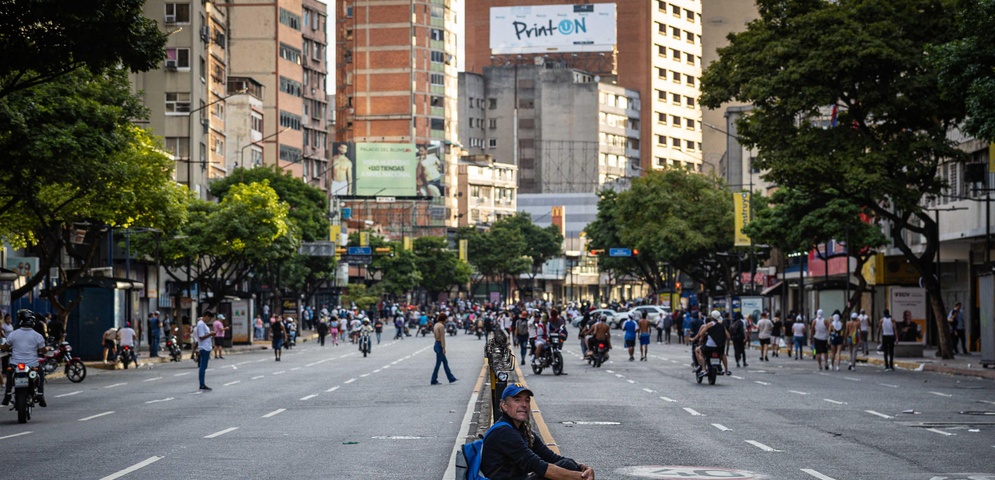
(515,389)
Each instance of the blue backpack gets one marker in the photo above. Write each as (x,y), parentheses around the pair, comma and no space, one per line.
(472,454)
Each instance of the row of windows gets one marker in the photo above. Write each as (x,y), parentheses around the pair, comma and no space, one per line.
(677,55)
(676,76)
(289,120)
(609,160)
(292,87)
(676,11)
(678,121)
(290,19)
(290,154)
(316,20)
(290,53)
(613,120)
(479,123)
(679,34)
(663,162)
(314,138)
(610,140)
(479,142)
(437,79)
(314,49)
(675,98)
(678,143)
(620,101)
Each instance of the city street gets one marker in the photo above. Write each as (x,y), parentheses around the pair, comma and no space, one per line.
(327,412)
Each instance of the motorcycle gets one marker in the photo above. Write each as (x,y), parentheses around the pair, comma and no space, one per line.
(714,368)
(599,355)
(424,330)
(550,357)
(127,355)
(75,369)
(451,328)
(175,352)
(25,380)
(364,343)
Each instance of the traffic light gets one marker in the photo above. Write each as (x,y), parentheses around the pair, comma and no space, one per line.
(678,285)
(635,251)
(340,251)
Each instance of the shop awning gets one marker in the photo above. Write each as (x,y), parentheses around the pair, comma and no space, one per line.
(774,289)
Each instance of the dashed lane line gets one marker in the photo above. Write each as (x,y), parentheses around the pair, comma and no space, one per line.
(693,412)
(888,385)
(160,400)
(309,397)
(852,379)
(364,375)
(135,467)
(630,381)
(941,394)
(181,374)
(647,390)
(377,370)
(91,417)
(761,446)
(257,377)
(231,383)
(69,394)
(837,402)
(116,385)
(15,435)
(737,377)
(295,368)
(667,399)
(274,413)
(218,434)
(151,379)
(797,392)
(280,372)
(332,389)
(349,381)
(760,383)
(872,412)
(817,474)
(721,427)
(941,432)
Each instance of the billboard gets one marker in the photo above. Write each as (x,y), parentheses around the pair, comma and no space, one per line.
(741,205)
(908,309)
(387,169)
(553,28)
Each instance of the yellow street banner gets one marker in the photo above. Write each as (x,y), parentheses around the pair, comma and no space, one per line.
(991,158)
(462,249)
(408,244)
(741,209)
(333,233)
(364,239)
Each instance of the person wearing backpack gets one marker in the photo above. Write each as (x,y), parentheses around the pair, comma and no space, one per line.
(511,450)
(522,335)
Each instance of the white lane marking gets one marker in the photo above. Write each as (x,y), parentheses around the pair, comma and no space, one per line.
(295,368)
(630,381)
(693,412)
(332,389)
(364,375)
(737,377)
(619,375)
(377,370)
(667,399)
(243,363)
(182,374)
(837,402)
(116,385)
(350,380)
(280,372)
(799,393)
(888,385)
(257,377)
(394,362)
(231,383)
(160,400)
(218,434)
(647,390)
(941,432)
(15,435)
(941,394)
(137,466)
(817,474)
(96,416)
(761,446)
(852,379)
(198,392)
(609,371)
(872,412)
(761,383)
(721,427)
(987,401)
(68,394)
(274,413)
(309,397)
(151,379)
(385,367)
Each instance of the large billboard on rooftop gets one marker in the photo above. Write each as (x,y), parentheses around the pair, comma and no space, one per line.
(553,28)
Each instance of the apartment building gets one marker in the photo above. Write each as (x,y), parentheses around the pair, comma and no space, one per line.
(245,123)
(657,52)
(315,121)
(486,190)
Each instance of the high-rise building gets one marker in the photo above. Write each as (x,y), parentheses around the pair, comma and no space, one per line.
(315,118)
(653,47)
(396,84)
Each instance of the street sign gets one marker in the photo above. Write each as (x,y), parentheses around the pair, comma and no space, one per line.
(619,252)
(356,259)
(386,199)
(317,249)
(360,251)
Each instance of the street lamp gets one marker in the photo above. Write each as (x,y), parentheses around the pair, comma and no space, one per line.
(190,142)
(241,153)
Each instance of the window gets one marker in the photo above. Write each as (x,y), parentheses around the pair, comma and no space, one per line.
(348,11)
(257,122)
(437,79)
(675,54)
(438,57)
(661,72)
(178,146)
(219,146)
(177,102)
(289,120)
(661,5)
(675,142)
(661,95)
(437,124)
(690,58)
(315,22)
(661,162)
(177,13)
(661,140)
(675,98)
(661,118)
(675,32)
(689,144)
(218,110)
(436,34)
(492,103)
(689,123)
(290,53)
(675,10)
(492,143)
(676,77)
(436,11)
(689,79)
(689,37)
(492,123)
(689,15)
(177,58)
(290,19)
(290,154)
(292,87)
(689,101)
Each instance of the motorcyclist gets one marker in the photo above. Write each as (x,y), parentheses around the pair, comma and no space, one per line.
(542,336)
(126,338)
(713,337)
(365,331)
(600,332)
(25,345)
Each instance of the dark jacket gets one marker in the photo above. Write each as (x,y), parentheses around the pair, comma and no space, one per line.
(507,456)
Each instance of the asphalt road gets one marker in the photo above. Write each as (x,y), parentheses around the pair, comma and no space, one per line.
(781,419)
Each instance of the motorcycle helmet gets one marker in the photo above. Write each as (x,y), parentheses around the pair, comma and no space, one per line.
(25,318)
(366,321)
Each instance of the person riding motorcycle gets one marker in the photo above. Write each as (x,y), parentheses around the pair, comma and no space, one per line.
(365,330)
(600,332)
(714,336)
(542,336)
(25,345)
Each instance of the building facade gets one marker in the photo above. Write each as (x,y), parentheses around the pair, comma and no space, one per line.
(486,191)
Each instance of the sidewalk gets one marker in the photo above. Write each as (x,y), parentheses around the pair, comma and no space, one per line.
(965,365)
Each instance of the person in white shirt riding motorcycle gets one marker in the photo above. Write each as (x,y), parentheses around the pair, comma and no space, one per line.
(25,346)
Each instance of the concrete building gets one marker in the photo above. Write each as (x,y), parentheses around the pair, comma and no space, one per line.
(396,83)
(658,54)
(486,191)
(315,121)
(245,124)
(565,131)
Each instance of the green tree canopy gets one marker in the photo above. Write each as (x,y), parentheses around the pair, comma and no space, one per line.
(967,66)
(440,268)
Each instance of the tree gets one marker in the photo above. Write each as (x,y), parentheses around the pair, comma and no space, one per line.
(541,244)
(47,39)
(865,61)
(603,234)
(967,66)
(496,253)
(439,267)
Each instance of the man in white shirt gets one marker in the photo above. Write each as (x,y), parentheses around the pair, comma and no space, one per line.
(126,338)
(203,333)
(25,346)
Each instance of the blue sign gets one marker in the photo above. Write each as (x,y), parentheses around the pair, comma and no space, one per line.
(346,213)
(619,252)
(360,251)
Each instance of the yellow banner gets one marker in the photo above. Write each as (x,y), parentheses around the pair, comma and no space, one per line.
(462,249)
(364,239)
(333,233)
(741,207)
(407,243)
(991,158)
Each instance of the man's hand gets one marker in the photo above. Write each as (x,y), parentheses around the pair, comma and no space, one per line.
(587,473)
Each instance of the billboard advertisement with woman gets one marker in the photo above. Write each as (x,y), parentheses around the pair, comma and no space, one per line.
(908,309)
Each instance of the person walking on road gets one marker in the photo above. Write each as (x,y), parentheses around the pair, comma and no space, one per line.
(439,330)
(644,336)
(155,334)
(798,335)
(522,335)
(204,334)
(957,332)
(322,329)
(378,329)
(836,333)
(820,338)
(110,344)
(852,335)
(865,327)
(765,327)
(738,333)
(887,328)
(775,334)
(629,327)
(219,335)
(277,333)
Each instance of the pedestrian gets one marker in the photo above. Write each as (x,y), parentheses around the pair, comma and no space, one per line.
(257,329)
(799,334)
(6,328)
(204,335)
(957,331)
(644,336)
(684,328)
(888,331)
(820,338)
(155,334)
(666,323)
(852,335)
(775,334)
(334,329)
(836,334)
(737,333)
(765,328)
(322,329)
(439,330)
(219,335)
(277,332)
(865,326)
(398,326)
(378,329)
(522,334)
(629,327)
(110,344)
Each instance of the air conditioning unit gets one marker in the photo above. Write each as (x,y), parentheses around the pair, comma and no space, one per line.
(170,19)
(171,65)
(205,121)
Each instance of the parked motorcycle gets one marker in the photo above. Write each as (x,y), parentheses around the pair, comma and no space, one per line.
(599,354)
(173,345)
(550,357)
(714,368)
(75,369)
(365,345)
(127,355)
(25,380)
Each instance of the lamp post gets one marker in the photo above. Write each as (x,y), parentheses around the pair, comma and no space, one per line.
(190,142)
(241,153)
